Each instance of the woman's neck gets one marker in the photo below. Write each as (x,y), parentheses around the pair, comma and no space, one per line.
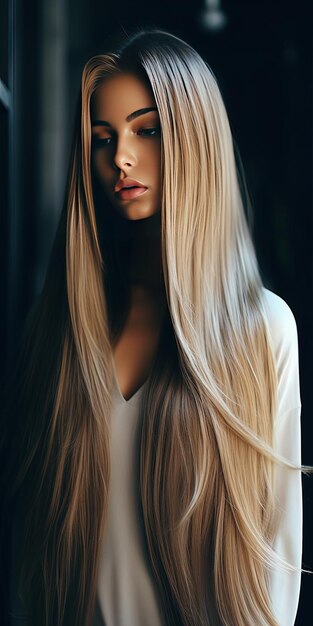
(145,270)
(146,305)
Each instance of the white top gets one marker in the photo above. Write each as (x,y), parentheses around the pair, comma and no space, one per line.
(285,586)
(126,592)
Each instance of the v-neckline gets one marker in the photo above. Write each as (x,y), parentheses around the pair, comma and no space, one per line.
(118,389)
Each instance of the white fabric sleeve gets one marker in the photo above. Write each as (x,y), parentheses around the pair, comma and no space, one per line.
(285,585)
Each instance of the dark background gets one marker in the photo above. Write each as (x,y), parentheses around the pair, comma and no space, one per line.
(261,55)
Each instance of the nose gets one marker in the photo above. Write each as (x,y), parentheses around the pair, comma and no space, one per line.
(124,154)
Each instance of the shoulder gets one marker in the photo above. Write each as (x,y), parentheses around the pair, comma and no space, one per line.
(283,336)
(280,318)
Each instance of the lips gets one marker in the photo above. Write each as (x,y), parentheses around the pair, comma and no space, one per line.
(128,188)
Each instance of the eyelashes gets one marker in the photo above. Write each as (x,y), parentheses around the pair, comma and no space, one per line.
(97,142)
(149,132)
(103,142)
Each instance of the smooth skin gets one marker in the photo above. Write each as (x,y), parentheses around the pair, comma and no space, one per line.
(126,143)
(126,146)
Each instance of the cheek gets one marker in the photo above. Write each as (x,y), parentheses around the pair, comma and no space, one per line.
(152,162)
(100,167)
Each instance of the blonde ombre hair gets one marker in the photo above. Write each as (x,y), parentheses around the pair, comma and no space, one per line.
(206,458)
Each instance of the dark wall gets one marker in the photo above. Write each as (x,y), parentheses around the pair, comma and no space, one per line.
(262,59)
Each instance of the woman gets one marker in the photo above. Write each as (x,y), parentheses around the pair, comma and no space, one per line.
(159,411)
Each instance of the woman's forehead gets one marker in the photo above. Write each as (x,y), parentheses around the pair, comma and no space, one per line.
(120,95)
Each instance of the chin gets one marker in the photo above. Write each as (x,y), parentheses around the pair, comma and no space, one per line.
(136,213)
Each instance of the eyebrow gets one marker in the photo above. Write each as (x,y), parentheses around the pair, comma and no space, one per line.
(129,117)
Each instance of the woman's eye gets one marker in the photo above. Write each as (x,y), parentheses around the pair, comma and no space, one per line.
(148,132)
(99,142)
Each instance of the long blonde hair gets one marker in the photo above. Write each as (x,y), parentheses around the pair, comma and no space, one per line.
(206,460)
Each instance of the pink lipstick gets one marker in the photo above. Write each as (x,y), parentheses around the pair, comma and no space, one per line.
(128,188)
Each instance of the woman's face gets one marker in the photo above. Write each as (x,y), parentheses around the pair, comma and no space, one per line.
(126,145)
